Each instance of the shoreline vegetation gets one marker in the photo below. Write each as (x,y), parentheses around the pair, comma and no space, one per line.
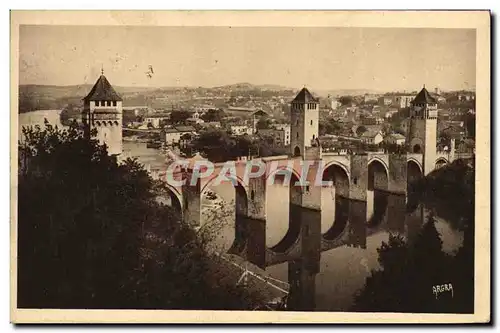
(91,235)
(412,271)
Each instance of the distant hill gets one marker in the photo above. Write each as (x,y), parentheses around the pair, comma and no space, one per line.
(80,90)
(248,86)
(346,92)
(41,97)
(45,97)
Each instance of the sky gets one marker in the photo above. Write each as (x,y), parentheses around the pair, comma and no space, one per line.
(381,59)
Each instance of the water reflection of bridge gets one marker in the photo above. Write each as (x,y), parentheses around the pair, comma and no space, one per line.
(389,176)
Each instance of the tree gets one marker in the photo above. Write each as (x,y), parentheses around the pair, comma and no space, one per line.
(345,100)
(263,123)
(360,130)
(445,139)
(179,117)
(213,115)
(328,126)
(450,192)
(470,124)
(214,144)
(93,235)
(409,271)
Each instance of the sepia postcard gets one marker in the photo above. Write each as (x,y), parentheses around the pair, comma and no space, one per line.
(250,167)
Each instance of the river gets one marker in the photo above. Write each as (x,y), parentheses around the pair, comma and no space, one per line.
(343,270)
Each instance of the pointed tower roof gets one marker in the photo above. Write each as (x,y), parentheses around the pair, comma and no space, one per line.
(424,97)
(304,96)
(102,91)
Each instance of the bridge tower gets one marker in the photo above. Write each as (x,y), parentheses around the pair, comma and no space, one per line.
(422,135)
(102,110)
(304,117)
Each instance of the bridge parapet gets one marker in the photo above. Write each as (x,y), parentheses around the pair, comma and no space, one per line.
(415,157)
(342,160)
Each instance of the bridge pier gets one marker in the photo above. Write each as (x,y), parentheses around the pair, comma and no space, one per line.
(255,222)
(305,216)
(414,221)
(357,201)
(396,212)
(191,195)
(397,187)
(302,280)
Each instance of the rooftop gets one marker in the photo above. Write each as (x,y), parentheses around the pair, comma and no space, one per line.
(424,97)
(397,136)
(185,128)
(370,133)
(304,96)
(102,91)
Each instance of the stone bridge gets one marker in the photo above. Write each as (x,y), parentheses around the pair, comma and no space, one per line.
(387,175)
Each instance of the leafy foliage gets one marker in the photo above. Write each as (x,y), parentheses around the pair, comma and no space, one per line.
(263,123)
(411,270)
(179,117)
(346,100)
(92,234)
(213,115)
(328,126)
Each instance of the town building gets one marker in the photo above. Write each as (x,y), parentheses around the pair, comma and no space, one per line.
(401,101)
(241,111)
(385,100)
(172,136)
(280,135)
(103,111)
(454,132)
(241,130)
(155,119)
(370,98)
(335,104)
(389,113)
(195,118)
(368,120)
(465,97)
(212,124)
(395,139)
(137,110)
(285,128)
(371,136)
(440,99)
(405,125)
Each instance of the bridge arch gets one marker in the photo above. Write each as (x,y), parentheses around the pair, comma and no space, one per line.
(339,176)
(293,230)
(296,151)
(378,183)
(414,173)
(416,146)
(441,161)
(235,242)
(378,174)
(175,197)
(271,175)
(415,163)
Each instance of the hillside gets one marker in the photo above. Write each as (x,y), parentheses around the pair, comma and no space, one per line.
(43,97)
